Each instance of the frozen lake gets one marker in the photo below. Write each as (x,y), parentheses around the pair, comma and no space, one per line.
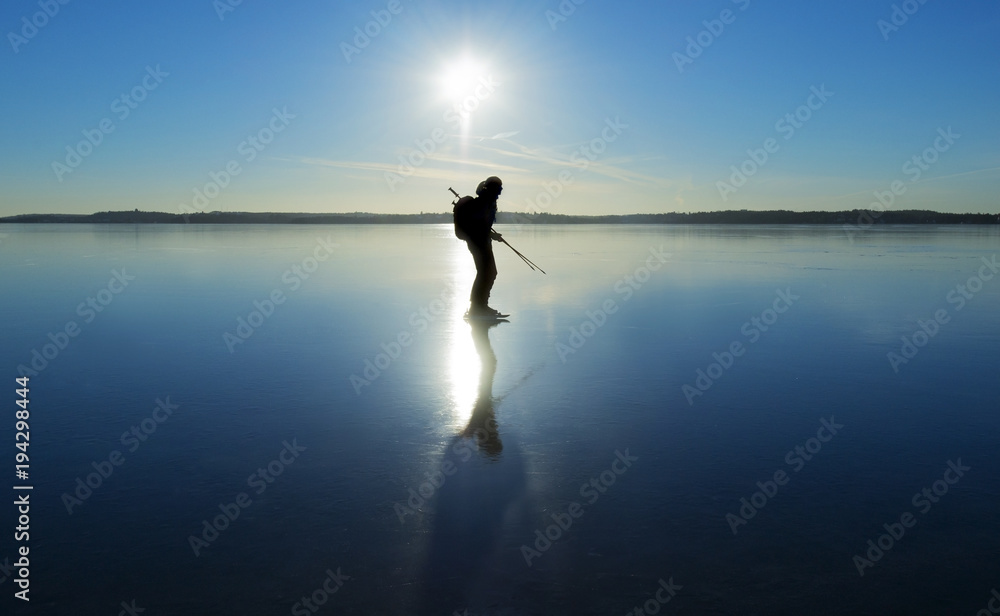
(687,419)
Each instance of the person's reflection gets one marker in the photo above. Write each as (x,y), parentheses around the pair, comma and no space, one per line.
(475,506)
(482,424)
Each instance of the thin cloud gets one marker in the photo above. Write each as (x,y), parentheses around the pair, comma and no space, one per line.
(423,171)
(612,167)
(615,168)
(344,164)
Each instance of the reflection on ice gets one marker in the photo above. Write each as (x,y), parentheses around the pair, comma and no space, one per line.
(480,497)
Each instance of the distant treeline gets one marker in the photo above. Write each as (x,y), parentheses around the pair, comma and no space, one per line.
(770,217)
(729,217)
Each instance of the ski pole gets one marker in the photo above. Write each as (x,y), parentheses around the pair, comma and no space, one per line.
(523,258)
(526,259)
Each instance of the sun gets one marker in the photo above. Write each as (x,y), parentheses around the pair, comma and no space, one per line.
(459,78)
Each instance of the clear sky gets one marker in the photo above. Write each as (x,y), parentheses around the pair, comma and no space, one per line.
(600,107)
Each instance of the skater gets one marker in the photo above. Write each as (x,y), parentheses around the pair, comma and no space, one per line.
(474,220)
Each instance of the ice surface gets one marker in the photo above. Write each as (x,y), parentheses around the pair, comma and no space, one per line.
(516,439)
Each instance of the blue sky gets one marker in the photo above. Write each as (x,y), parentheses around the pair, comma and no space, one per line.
(587,113)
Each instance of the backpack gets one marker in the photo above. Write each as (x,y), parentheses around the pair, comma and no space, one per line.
(462,214)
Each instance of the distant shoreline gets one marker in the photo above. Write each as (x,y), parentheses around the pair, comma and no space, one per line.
(731,217)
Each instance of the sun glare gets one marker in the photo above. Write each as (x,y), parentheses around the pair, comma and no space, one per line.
(464,364)
(460,77)
(465,84)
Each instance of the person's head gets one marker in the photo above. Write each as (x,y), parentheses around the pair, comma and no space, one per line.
(490,187)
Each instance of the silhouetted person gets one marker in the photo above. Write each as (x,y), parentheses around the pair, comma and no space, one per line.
(476,224)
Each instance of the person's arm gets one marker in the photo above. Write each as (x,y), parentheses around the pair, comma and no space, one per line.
(493,218)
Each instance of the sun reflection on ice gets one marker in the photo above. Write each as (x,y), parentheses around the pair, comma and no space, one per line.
(464,365)
(464,368)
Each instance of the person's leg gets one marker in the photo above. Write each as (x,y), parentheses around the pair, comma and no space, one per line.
(486,273)
(479,257)
(490,269)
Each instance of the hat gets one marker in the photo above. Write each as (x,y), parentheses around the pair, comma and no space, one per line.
(492,182)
